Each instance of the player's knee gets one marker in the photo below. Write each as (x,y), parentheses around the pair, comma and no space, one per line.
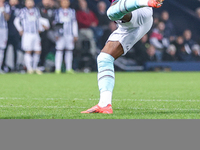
(104,58)
(28,52)
(113,14)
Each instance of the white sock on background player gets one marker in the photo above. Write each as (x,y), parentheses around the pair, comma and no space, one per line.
(58,60)
(28,61)
(68,60)
(1,57)
(36,58)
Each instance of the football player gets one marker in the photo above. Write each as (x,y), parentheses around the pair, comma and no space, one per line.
(4,17)
(134,19)
(66,17)
(28,25)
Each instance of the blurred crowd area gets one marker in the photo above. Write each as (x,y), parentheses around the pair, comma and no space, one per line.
(162,43)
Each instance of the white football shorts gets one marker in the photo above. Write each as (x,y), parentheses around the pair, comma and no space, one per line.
(3,38)
(131,32)
(65,42)
(31,42)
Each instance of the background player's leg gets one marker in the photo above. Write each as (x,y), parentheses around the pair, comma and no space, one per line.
(58,60)
(1,59)
(3,44)
(36,59)
(68,60)
(37,53)
(60,46)
(28,61)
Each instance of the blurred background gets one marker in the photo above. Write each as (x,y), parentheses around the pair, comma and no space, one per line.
(173,43)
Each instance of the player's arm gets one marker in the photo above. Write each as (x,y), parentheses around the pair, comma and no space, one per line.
(6,16)
(5,10)
(75,27)
(43,24)
(18,25)
(56,20)
(18,22)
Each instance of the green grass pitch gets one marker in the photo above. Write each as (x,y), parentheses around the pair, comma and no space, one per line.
(137,95)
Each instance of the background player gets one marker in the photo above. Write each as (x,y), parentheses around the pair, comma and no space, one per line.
(4,17)
(134,21)
(13,35)
(67,17)
(28,26)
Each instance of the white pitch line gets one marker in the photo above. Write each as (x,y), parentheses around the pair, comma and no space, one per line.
(96,99)
(7,106)
(164,109)
(117,108)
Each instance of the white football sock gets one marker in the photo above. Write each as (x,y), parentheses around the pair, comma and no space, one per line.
(1,57)
(143,2)
(105,98)
(123,7)
(106,78)
(58,60)
(28,61)
(36,58)
(68,60)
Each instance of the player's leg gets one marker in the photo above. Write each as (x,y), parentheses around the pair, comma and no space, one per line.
(27,47)
(3,43)
(69,54)
(28,61)
(106,77)
(58,61)
(120,42)
(122,7)
(60,45)
(68,61)
(36,54)
(15,43)
(36,59)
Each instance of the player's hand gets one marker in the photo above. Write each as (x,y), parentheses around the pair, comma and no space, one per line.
(57,38)
(45,27)
(75,39)
(21,33)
